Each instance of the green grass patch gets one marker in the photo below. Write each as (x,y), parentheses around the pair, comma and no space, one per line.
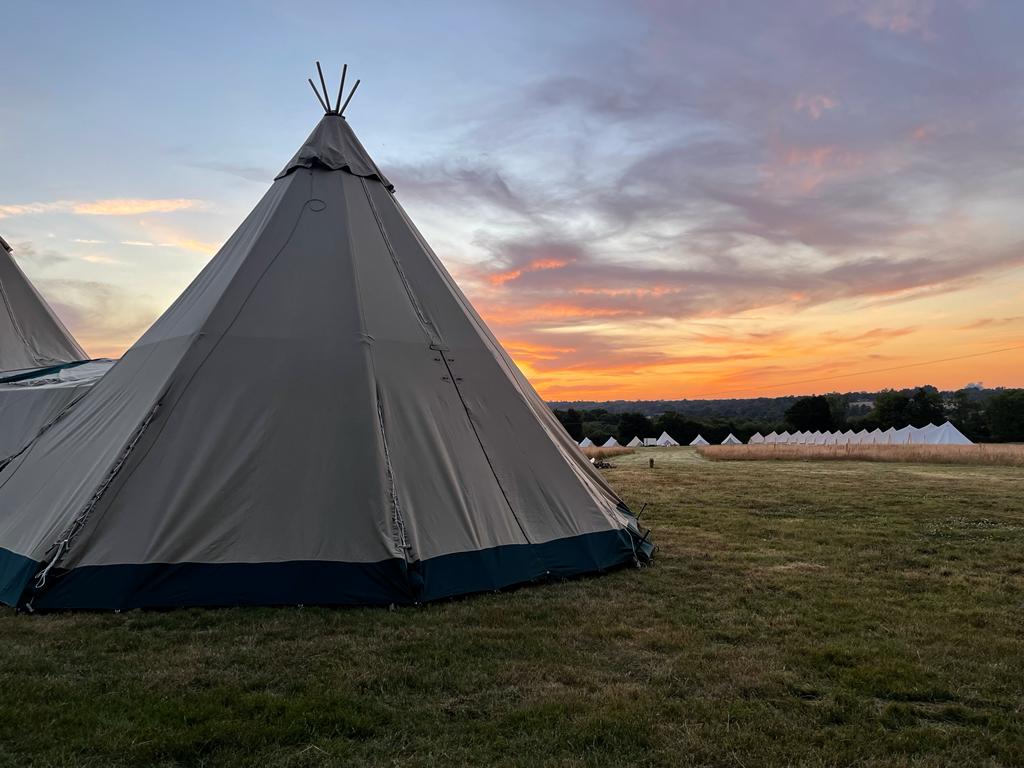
(797,614)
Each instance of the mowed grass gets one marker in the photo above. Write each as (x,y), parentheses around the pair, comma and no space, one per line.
(817,614)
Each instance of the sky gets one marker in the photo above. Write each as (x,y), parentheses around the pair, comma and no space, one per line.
(653,199)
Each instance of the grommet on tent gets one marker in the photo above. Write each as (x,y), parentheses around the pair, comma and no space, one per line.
(325,100)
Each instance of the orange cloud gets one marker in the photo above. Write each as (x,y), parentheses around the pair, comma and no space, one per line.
(815,105)
(500,278)
(111,207)
(804,169)
(133,206)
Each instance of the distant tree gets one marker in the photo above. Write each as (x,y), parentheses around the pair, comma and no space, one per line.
(838,404)
(891,409)
(967,412)
(810,413)
(572,420)
(925,407)
(678,426)
(634,425)
(1005,415)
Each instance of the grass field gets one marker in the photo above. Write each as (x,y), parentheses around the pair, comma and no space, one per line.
(817,614)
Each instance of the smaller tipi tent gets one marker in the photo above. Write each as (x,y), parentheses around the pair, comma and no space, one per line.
(771,437)
(755,439)
(731,440)
(698,440)
(586,442)
(636,442)
(31,335)
(666,439)
(611,442)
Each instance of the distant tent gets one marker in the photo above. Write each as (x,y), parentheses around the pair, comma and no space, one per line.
(755,439)
(586,442)
(771,437)
(947,434)
(611,442)
(785,437)
(43,371)
(320,418)
(636,442)
(698,440)
(666,439)
(731,440)
(31,335)
(860,437)
(30,403)
(876,436)
(903,436)
(649,441)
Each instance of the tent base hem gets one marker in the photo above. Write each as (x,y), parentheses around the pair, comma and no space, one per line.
(306,582)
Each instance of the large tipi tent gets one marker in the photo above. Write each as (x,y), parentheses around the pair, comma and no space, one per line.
(320,418)
(31,335)
(698,440)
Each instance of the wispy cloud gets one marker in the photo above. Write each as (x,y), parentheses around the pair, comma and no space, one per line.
(109,207)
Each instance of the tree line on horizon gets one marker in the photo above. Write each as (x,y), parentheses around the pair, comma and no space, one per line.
(982,415)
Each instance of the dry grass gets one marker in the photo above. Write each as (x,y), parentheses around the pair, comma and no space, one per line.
(990,455)
(604,453)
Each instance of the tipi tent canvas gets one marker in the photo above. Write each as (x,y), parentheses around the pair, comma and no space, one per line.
(698,440)
(611,442)
(731,440)
(31,335)
(636,442)
(320,418)
(586,442)
(43,370)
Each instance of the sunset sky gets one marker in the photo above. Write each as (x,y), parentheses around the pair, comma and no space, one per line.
(660,199)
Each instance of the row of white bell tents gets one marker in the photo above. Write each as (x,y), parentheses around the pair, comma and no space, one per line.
(730,440)
(946,434)
(636,442)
